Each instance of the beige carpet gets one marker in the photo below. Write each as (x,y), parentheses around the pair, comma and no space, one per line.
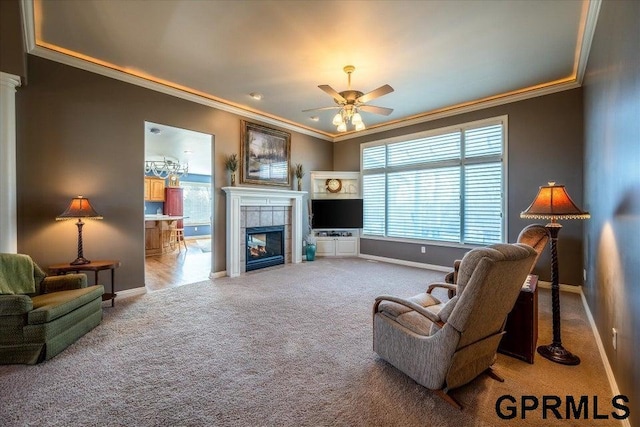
(287,346)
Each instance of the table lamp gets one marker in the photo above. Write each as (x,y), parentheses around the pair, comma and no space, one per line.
(553,202)
(79,208)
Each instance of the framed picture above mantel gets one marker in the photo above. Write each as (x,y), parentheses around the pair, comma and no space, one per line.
(265,155)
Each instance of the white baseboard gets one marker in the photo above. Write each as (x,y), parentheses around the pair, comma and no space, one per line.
(564,288)
(407,263)
(603,355)
(217,274)
(132,292)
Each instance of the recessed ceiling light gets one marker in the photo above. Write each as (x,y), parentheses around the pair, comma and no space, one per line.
(155,131)
(188,151)
(315,118)
(256,95)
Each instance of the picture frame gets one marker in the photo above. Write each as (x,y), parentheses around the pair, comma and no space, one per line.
(265,155)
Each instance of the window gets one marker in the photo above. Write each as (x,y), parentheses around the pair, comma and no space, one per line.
(197,203)
(446,185)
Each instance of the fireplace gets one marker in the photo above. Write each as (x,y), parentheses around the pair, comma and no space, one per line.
(261,207)
(265,247)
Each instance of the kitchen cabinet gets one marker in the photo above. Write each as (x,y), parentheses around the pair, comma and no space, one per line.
(173,201)
(153,189)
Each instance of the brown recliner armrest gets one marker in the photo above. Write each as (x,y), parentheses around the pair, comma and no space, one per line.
(451,288)
(63,283)
(452,277)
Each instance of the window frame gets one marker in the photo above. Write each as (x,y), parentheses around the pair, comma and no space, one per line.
(496,120)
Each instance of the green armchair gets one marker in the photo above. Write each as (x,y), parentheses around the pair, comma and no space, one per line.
(42,315)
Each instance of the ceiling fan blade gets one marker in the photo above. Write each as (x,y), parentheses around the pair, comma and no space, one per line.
(376,93)
(322,108)
(331,91)
(376,110)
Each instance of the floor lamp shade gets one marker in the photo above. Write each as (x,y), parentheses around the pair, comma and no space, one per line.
(80,208)
(553,202)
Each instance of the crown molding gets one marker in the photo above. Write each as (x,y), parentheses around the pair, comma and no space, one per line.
(465,108)
(92,67)
(585,38)
(591,11)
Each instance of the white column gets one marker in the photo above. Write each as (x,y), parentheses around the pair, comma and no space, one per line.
(296,231)
(233,235)
(8,191)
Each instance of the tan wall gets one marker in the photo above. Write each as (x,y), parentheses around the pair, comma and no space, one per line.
(545,144)
(80,133)
(12,57)
(612,183)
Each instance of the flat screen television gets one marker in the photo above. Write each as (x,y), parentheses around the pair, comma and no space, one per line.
(336,213)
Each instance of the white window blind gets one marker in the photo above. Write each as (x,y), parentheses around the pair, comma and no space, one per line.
(196,202)
(447,186)
(374,200)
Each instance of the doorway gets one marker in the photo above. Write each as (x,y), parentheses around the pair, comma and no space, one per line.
(178,206)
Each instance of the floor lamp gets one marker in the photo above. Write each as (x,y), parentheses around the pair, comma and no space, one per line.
(553,202)
(79,208)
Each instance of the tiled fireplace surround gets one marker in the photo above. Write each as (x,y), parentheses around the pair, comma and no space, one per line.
(259,207)
(264,216)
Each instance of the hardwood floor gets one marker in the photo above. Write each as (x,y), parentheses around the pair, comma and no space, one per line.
(178,268)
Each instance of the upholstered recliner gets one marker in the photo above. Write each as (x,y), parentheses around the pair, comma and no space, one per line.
(446,345)
(40,316)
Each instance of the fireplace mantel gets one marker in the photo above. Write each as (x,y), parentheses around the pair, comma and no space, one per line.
(258,196)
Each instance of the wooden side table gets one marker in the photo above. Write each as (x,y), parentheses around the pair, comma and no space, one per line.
(96,267)
(522,323)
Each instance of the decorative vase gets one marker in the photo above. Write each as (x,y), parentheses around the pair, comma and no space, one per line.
(311,252)
(299,184)
(233,179)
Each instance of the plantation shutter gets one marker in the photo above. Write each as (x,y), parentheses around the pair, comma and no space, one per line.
(447,186)
(374,195)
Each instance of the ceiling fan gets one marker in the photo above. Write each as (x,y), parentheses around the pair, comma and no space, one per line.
(350,102)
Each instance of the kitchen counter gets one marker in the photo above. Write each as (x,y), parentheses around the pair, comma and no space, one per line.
(157,233)
(162,217)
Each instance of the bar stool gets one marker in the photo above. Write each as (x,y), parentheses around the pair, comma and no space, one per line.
(176,235)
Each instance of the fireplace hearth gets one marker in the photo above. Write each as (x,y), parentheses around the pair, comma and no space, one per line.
(265,247)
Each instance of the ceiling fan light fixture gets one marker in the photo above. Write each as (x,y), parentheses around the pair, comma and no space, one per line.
(349,101)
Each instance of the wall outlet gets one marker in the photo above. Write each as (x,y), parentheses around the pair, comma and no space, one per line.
(423,250)
(614,338)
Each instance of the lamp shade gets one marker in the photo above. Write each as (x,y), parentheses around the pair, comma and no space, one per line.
(553,202)
(79,208)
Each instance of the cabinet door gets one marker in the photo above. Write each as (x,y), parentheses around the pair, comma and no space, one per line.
(173,203)
(325,247)
(152,238)
(157,190)
(346,246)
(147,189)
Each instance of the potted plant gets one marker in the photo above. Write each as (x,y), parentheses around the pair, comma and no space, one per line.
(311,246)
(299,173)
(231,163)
